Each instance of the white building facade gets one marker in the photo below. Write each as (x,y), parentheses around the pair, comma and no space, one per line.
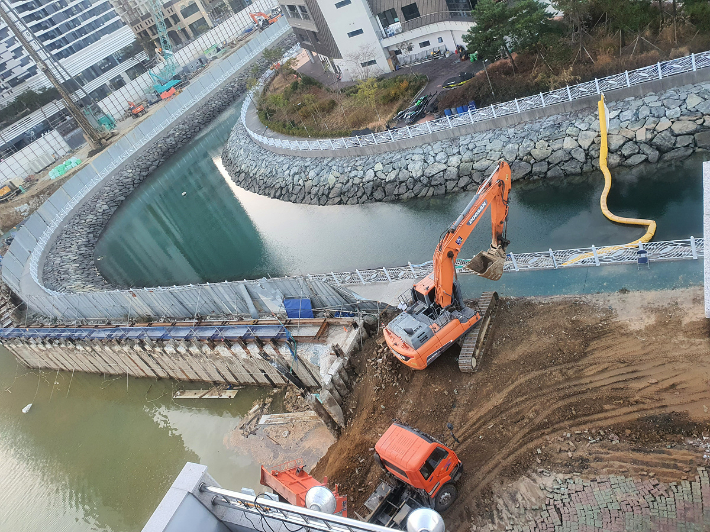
(363,38)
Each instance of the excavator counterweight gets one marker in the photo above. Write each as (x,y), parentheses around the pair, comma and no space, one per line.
(436,316)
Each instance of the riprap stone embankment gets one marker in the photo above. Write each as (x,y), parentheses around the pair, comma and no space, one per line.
(665,126)
(69,265)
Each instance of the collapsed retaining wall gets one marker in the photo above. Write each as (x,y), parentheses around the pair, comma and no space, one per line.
(664,126)
(69,264)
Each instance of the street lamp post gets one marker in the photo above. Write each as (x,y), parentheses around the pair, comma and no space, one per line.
(488,77)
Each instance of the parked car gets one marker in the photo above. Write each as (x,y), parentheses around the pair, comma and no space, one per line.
(461,79)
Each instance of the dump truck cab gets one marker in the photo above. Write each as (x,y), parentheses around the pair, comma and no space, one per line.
(426,465)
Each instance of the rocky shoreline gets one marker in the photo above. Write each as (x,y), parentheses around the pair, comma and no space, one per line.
(663,126)
(69,265)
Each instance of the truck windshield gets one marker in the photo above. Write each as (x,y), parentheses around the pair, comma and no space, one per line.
(432,462)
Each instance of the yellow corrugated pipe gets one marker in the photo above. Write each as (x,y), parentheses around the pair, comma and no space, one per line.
(650,224)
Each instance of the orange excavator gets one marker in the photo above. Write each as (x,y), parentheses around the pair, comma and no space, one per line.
(435,316)
(262,20)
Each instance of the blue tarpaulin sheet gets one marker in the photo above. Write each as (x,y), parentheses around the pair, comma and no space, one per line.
(298,308)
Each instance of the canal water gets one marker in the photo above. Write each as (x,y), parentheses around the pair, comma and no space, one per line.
(99,454)
(189,223)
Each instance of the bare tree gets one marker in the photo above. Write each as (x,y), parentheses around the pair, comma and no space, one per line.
(360,60)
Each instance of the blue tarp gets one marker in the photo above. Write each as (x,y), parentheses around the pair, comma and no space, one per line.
(298,308)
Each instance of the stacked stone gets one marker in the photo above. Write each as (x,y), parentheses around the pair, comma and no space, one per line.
(659,127)
(69,266)
(617,503)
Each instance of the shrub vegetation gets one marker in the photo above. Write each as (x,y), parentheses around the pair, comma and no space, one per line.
(529,52)
(296,104)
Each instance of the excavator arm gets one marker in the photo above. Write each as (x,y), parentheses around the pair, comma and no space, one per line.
(493,195)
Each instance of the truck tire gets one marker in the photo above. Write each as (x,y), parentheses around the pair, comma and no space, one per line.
(445,497)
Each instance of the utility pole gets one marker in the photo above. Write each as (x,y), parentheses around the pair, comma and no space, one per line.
(92,136)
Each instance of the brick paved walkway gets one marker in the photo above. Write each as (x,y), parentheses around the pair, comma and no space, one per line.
(618,504)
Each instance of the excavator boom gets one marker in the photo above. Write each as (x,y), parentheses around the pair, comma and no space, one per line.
(436,316)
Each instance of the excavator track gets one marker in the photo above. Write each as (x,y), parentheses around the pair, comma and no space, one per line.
(474,342)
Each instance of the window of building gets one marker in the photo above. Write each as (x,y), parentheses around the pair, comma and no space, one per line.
(424,44)
(368,63)
(189,10)
(293,11)
(460,5)
(410,11)
(199,27)
(387,18)
(355,33)
(304,13)
(342,4)
(176,19)
(315,36)
(441,39)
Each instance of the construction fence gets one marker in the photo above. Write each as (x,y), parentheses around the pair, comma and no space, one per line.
(48,148)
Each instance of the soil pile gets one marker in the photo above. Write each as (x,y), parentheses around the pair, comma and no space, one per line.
(608,384)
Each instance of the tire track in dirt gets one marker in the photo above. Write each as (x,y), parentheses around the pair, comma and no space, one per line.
(558,366)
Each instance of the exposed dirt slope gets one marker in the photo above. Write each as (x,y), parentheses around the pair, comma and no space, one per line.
(635,366)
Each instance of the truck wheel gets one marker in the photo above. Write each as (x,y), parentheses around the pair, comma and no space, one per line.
(445,498)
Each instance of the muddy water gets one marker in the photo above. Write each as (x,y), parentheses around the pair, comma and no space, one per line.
(96,454)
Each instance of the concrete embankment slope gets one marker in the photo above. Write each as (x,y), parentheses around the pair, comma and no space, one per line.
(665,125)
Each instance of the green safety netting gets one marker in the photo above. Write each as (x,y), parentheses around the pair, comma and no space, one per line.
(63,168)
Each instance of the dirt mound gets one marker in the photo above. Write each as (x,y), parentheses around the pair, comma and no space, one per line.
(558,371)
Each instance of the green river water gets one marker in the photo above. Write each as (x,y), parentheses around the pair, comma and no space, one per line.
(97,454)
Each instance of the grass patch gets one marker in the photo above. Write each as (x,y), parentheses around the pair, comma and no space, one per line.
(298,105)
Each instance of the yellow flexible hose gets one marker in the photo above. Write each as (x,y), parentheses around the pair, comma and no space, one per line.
(650,224)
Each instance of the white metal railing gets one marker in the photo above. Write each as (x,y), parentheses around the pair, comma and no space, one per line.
(122,157)
(519,105)
(688,249)
(301,519)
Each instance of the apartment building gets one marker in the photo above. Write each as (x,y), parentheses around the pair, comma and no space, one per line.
(185,19)
(87,37)
(362,38)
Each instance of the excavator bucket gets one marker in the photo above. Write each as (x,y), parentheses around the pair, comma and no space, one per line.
(488,264)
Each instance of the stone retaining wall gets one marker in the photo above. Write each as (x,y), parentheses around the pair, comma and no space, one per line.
(658,127)
(69,264)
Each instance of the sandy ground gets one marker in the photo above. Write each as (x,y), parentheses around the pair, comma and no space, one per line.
(592,385)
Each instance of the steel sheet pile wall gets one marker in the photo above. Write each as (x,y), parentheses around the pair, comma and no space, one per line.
(236,362)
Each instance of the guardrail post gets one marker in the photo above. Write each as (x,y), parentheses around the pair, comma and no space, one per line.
(692,61)
(552,256)
(335,278)
(660,75)
(408,132)
(387,274)
(494,111)
(360,276)
(428,126)
(358,140)
(515,263)
(596,257)
(693,248)
(448,120)
(569,94)
(543,99)
(517,106)
(470,115)
(411,268)
(331,144)
(628,83)
(374,138)
(391,136)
